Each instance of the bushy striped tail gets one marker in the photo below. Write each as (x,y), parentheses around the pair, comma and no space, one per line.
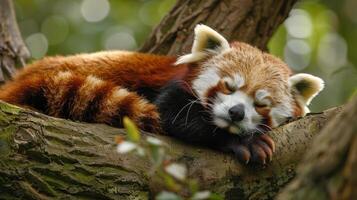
(86,99)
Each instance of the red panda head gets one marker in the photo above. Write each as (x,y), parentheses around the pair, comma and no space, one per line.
(246,89)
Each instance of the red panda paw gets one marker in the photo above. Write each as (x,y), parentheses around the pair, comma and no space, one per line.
(150,124)
(254,149)
(148,119)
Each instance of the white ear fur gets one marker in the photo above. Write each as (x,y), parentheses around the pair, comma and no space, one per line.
(307,86)
(206,41)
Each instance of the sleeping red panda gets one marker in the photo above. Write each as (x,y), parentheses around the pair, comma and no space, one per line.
(221,95)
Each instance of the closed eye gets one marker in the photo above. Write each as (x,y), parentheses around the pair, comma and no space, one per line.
(227,87)
(231,88)
(260,105)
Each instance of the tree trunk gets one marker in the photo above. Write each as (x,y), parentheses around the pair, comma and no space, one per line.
(248,21)
(12,47)
(328,170)
(44,157)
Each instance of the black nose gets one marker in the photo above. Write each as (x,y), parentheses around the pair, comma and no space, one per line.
(236,113)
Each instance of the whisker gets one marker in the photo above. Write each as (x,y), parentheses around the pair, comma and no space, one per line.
(189,112)
(266,126)
(214,131)
(195,101)
(260,131)
(188,104)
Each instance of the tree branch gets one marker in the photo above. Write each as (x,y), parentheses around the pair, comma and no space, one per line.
(45,157)
(248,21)
(12,47)
(328,169)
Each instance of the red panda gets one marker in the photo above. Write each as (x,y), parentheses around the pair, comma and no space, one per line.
(221,95)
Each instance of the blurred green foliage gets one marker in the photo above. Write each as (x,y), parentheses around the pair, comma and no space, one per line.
(319,37)
(69,28)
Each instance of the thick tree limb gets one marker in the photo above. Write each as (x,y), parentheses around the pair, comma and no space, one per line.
(12,47)
(251,21)
(328,170)
(43,157)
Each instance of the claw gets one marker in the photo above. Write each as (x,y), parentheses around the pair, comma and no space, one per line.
(267,139)
(258,154)
(242,152)
(268,151)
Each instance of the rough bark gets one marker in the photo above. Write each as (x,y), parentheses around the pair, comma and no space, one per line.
(12,47)
(251,21)
(43,157)
(328,170)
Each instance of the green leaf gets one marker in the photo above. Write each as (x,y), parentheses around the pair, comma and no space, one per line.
(171,183)
(193,185)
(132,130)
(157,154)
(216,197)
(164,195)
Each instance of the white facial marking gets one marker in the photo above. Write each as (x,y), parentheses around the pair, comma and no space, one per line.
(207,79)
(220,122)
(261,94)
(281,112)
(230,82)
(223,103)
(234,83)
(261,97)
(239,80)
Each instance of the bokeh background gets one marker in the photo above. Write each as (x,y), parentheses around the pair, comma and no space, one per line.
(319,37)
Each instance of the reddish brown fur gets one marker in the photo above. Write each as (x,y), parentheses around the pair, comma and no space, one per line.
(298,111)
(84,87)
(264,111)
(212,92)
(128,69)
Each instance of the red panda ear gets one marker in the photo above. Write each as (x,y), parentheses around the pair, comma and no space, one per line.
(207,41)
(306,86)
